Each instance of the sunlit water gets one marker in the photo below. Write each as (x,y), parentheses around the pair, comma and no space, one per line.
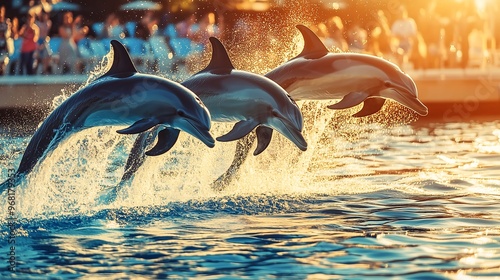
(378,197)
(367,198)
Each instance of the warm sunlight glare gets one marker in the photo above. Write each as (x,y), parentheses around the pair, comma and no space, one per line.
(481,4)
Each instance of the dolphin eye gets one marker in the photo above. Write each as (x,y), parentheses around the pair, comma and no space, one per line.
(275,114)
(291,99)
(181,113)
(387,84)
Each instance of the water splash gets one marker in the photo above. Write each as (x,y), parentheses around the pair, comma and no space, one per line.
(91,162)
(73,176)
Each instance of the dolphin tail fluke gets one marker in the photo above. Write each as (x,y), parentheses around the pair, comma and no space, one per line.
(134,162)
(370,106)
(108,196)
(139,126)
(264,135)
(350,100)
(5,185)
(239,130)
(242,151)
(10,183)
(136,157)
(166,140)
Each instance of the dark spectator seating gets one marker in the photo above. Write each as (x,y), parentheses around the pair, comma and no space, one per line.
(163,52)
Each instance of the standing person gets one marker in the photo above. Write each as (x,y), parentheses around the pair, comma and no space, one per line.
(433,36)
(5,40)
(30,33)
(184,26)
(44,24)
(322,32)
(383,40)
(357,38)
(14,28)
(404,29)
(466,19)
(336,31)
(113,29)
(146,26)
(80,30)
(68,52)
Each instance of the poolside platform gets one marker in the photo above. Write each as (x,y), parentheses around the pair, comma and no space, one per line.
(450,94)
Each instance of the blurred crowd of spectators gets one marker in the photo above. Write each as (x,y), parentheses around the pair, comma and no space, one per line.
(463,37)
(466,38)
(77,45)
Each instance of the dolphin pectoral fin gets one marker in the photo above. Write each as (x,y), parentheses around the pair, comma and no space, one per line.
(242,151)
(350,100)
(166,140)
(239,130)
(370,106)
(139,126)
(264,135)
(137,156)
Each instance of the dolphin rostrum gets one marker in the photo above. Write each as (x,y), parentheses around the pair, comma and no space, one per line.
(122,96)
(250,100)
(317,74)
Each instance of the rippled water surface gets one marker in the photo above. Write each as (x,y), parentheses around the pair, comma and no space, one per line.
(417,201)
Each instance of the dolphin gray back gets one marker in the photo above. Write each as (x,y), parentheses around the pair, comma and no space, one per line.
(61,121)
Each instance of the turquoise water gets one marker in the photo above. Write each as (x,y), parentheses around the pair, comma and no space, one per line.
(369,199)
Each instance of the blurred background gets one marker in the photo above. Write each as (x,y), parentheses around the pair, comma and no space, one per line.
(448,46)
(417,34)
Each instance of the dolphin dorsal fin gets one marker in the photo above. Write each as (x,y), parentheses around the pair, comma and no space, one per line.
(313,47)
(121,60)
(220,59)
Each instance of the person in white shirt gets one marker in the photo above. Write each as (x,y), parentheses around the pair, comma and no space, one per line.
(6,43)
(405,31)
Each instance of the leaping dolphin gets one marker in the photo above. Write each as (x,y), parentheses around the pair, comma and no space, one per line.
(317,74)
(250,100)
(122,96)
